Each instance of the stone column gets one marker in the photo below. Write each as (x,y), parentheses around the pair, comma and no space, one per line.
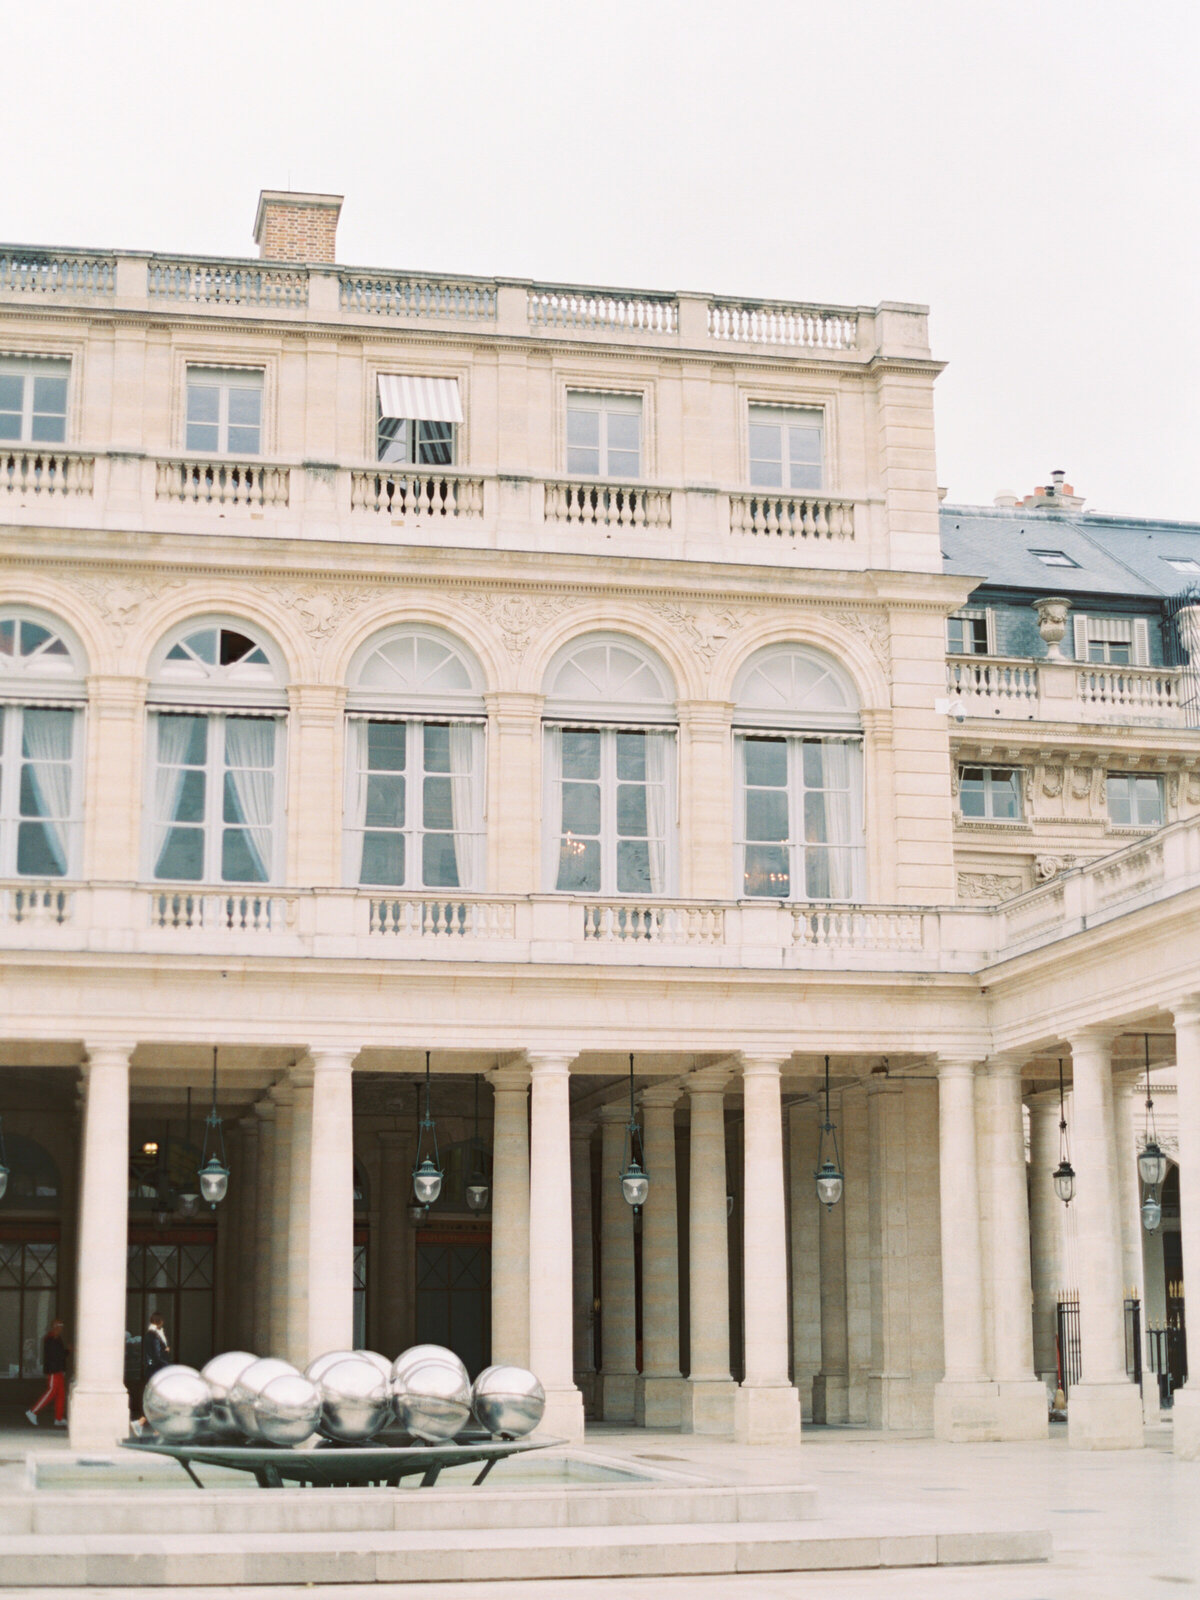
(1045,1227)
(510,1215)
(803,1136)
(281,1211)
(99,1405)
(658,1397)
(388,1292)
(241,1278)
(300,1078)
(229,1221)
(1021,1408)
(330,1197)
(963,1407)
(1128,1100)
(767,1407)
(1104,1410)
(1186,1410)
(831,1386)
(708,1396)
(264,1229)
(551,1342)
(583,1284)
(618,1290)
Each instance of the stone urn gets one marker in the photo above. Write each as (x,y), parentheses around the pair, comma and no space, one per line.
(1052,624)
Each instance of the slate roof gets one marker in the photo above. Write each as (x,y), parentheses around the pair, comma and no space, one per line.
(1114,555)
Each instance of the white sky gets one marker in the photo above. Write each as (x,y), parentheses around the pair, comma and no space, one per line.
(1026,169)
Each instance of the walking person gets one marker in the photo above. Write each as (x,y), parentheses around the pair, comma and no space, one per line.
(156,1354)
(54,1369)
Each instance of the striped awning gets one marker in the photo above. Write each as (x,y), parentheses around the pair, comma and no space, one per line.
(422,399)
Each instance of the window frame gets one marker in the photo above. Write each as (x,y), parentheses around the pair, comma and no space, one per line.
(1100,631)
(228,377)
(1133,780)
(1054,558)
(29,369)
(773,413)
(990,788)
(31,1320)
(974,615)
(607,402)
(414,442)
(12,764)
(608,837)
(795,789)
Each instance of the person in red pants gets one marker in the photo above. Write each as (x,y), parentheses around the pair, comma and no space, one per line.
(54,1367)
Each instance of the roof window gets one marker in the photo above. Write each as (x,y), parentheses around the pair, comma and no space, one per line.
(1054,558)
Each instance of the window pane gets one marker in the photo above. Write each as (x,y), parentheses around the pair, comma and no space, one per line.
(39,1313)
(956,636)
(1119,799)
(816,874)
(815,830)
(383,858)
(631,810)
(804,446)
(182,740)
(243,441)
(1149,802)
(385,801)
(203,403)
(622,464)
(633,866)
(202,437)
(1119,653)
(47,429)
(240,861)
(813,758)
(437,748)
(766,761)
(182,855)
(581,808)
(439,862)
(631,757)
(435,444)
(1006,795)
(386,746)
(580,754)
(393,440)
(245,406)
(579,865)
(970,792)
(12,391)
(10,425)
(767,871)
(439,811)
(583,427)
(581,460)
(624,430)
(804,477)
(190,797)
(766,814)
(39,852)
(766,443)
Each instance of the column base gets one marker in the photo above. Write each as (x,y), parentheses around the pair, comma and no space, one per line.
(563,1416)
(658,1402)
(707,1405)
(1185,1413)
(1104,1416)
(831,1397)
(982,1412)
(615,1392)
(766,1415)
(97,1418)
(585,1382)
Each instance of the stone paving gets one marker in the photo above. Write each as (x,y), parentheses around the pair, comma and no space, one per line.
(1124,1524)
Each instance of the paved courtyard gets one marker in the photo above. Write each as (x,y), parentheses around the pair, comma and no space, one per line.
(1124,1525)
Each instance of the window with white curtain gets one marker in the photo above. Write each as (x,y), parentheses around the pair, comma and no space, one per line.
(224,410)
(786,447)
(604,434)
(33,399)
(799,755)
(216,749)
(415,774)
(609,808)
(41,748)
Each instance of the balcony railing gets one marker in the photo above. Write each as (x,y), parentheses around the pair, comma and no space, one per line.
(802,327)
(807,517)
(224,283)
(222,483)
(36,472)
(1058,691)
(413,492)
(1135,689)
(607,505)
(596,310)
(983,686)
(53,272)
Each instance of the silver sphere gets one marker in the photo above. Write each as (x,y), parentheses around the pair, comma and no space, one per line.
(431,1398)
(356,1400)
(508,1401)
(248,1388)
(382,1363)
(425,1352)
(288,1409)
(177,1403)
(221,1373)
(320,1364)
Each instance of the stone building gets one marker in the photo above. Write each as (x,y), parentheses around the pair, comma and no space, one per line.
(545,686)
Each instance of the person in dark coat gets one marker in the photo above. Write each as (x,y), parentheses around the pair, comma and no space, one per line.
(156,1354)
(54,1369)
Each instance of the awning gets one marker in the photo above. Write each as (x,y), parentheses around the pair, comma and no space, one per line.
(423,399)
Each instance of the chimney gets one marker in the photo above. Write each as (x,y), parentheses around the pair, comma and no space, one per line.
(1057,495)
(296,227)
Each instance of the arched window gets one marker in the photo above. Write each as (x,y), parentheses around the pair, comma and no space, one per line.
(43,690)
(609,763)
(415,763)
(799,763)
(217,704)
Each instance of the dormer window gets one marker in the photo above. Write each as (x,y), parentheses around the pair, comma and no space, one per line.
(1054,558)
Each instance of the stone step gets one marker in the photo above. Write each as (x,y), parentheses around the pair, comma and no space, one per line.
(172,1560)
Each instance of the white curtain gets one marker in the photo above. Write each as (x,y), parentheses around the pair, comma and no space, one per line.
(250,761)
(658,756)
(841,768)
(551,806)
(466,794)
(174,736)
(357,756)
(47,741)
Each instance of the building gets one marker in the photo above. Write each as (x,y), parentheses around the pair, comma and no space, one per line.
(539,686)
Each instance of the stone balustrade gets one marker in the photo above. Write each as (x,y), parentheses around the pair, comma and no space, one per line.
(225,283)
(30,471)
(1125,689)
(386,294)
(1062,691)
(223,483)
(413,491)
(607,505)
(982,685)
(582,308)
(56,272)
(805,517)
(801,327)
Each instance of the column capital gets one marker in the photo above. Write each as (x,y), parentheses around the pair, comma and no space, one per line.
(707,1080)
(1095,1037)
(1004,1066)
(762,1066)
(660,1096)
(264,1109)
(550,1063)
(948,1066)
(106,1055)
(332,1057)
(301,1075)
(616,1111)
(249,1125)
(281,1092)
(1186,1012)
(513,1078)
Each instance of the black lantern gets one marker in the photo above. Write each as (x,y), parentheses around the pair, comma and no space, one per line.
(427,1172)
(3,1162)
(214,1172)
(1064,1173)
(828,1177)
(1152,1163)
(635,1180)
(477,1191)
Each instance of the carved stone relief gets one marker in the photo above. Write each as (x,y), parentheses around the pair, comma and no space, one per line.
(705,628)
(320,608)
(1047,867)
(119,599)
(872,627)
(518,616)
(1193,789)
(988,887)
(1052,782)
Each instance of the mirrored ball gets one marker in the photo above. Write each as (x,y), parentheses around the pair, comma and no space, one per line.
(356,1400)
(381,1363)
(320,1364)
(177,1403)
(417,1353)
(431,1398)
(288,1409)
(221,1373)
(249,1386)
(508,1401)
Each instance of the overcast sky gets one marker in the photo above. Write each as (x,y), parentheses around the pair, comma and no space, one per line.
(1028,170)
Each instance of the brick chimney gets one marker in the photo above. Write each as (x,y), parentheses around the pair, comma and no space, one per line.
(296,227)
(1057,495)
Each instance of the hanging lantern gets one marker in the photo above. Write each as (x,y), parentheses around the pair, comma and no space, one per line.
(635,1180)
(427,1172)
(214,1173)
(477,1191)
(4,1169)
(1152,1162)
(829,1178)
(1064,1173)
(188,1202)
(1151,1211)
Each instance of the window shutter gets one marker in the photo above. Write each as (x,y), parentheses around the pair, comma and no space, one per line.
(990,615)
(1081,637)
(1141,642)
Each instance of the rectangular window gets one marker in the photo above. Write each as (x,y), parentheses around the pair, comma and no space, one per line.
(414,805)
(604,434)
(1183,563)
(215,795)
(991,792)
(1135,800)
(611,810)
(33,400)
(786,447)
(417,420)
(1054,558)
(39,785)
(28,1297)
(802,821)
(1112,641)
(967,634)
(224,411)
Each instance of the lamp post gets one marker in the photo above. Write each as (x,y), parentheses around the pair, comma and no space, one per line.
(427,1172)
(1152,1163)
(1064,1173)
(635,1180)
(477,1191)
(829,1178)
(189,1201)
(214,1172)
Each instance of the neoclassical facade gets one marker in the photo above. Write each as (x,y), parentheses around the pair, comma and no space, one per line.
(539,687)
